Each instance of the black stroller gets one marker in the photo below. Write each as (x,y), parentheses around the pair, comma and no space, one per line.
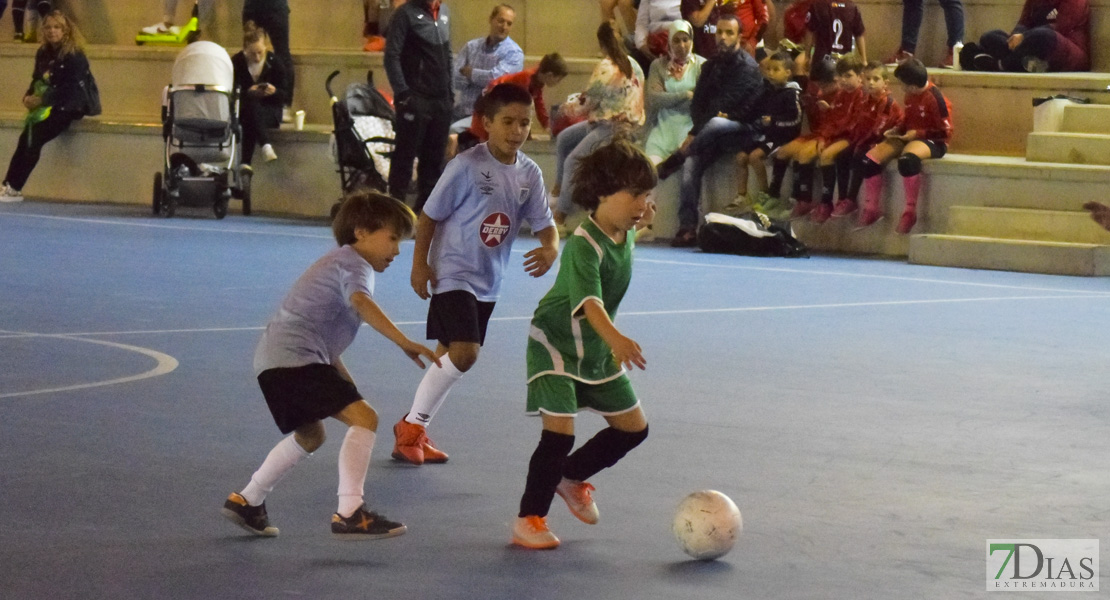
(363,135)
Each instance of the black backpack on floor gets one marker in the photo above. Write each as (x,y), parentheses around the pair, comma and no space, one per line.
(749,234)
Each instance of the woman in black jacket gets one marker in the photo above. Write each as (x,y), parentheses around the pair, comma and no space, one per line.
(56,97)
(262,83)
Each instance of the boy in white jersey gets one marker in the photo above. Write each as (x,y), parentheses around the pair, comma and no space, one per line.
(303,377)
(463,240)
(576,356)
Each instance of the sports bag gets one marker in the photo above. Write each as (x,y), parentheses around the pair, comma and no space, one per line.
(749,234)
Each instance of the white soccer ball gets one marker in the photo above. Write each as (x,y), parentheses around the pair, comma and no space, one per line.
(707,524)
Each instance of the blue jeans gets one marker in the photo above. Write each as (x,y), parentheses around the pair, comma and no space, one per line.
(566,141)
(719,136)
(596,134)
(914,10)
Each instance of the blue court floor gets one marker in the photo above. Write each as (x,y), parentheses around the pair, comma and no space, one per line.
(876,422)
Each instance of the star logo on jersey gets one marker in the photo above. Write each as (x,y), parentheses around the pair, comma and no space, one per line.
(494,229)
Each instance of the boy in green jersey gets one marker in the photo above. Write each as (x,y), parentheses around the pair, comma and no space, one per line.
(576,356)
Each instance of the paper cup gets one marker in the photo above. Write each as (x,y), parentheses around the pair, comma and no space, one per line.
(298,120)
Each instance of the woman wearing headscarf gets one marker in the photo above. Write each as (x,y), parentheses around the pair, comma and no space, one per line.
(669,90)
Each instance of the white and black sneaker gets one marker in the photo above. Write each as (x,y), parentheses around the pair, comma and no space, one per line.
(364,525)
(10,194)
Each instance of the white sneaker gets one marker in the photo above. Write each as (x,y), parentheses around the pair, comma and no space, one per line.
(286,114)
(579,500)
(10,194)
(161,29)
(532,532)
(268,153)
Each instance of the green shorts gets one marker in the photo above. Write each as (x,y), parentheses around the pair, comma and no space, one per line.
(559,395)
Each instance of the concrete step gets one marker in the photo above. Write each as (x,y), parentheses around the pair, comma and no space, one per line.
(1026,224)
(1058,258)
(1086,118)
(992,113)
(96,161)
(969,180)
(1075,148)
(131,78)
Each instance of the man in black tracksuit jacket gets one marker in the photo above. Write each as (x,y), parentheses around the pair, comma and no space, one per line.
(418,64)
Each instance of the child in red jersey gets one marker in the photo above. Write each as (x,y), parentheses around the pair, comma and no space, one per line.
(753,22)
(835,133)
(831,119)
(923,134)
(819,88)
(551,70)
(794,22)
(879,113)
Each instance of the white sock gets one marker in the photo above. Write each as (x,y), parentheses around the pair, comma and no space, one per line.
(432,391)
(285,455)
(354,460)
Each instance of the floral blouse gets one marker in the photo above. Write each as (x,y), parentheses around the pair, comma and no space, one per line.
(610,96)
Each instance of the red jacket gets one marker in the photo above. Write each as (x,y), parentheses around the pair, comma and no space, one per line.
(753,20)
(1070,19)
(929,114)
(840,118)
(876,116)
(794,21)
(810,97)
(523,79)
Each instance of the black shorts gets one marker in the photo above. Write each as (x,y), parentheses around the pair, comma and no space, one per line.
(937,148)
(457,316)
(302,395)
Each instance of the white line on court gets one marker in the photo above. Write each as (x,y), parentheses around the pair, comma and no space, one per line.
(866,276)
(642,313)
(165,364)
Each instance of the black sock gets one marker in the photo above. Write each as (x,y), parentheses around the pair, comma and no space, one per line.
(843,171)
(545,470)
(778,172)
(17,18)
(601,452)
(803,183)
(828,183)
(855,178)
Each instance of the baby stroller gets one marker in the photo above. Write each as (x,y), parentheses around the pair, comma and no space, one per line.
(200,125)
(363,136)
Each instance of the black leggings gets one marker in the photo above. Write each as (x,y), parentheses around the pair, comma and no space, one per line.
(27,154)
(257,118)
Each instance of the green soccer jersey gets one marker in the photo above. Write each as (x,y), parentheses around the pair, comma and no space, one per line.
(561,340)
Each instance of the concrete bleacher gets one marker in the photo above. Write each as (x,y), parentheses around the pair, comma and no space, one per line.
(981,201)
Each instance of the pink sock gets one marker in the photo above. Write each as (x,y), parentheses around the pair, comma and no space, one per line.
(873,188)
(912,186)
